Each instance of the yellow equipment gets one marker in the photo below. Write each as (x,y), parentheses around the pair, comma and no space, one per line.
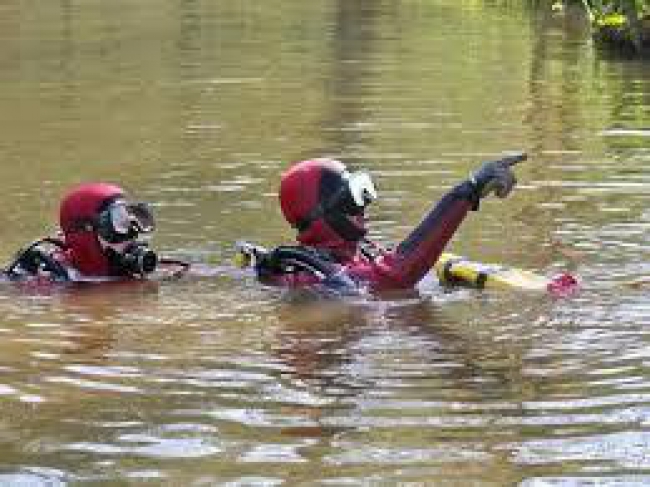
(456,270)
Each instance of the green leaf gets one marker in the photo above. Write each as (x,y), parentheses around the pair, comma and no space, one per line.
(611,20)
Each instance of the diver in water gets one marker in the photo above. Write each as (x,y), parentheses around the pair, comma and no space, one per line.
(98,241)
(325,203)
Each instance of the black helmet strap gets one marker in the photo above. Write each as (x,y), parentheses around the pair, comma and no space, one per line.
(332,208)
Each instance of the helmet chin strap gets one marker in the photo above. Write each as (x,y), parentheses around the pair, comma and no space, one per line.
(345,228)
(339,222)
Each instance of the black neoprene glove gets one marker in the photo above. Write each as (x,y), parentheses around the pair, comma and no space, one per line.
(496,176)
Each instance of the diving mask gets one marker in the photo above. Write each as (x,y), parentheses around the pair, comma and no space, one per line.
(357,192)
(122,221)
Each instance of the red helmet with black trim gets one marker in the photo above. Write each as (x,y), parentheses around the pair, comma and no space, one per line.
(78,215)
(325,202)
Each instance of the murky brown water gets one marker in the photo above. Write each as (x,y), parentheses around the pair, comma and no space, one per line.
(197,106)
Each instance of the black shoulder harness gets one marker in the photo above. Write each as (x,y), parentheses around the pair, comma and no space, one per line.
(291,259)
(36,257)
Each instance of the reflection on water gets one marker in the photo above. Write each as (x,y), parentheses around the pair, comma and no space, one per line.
(197,106)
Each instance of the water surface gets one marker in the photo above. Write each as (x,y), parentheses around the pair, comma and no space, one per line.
(198,106)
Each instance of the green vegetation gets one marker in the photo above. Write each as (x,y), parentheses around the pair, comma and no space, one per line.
(623,25)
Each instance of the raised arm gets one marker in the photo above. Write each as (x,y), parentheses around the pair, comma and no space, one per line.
(413,258)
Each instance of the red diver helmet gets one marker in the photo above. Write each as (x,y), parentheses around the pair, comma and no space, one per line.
(325,203)
(94,210)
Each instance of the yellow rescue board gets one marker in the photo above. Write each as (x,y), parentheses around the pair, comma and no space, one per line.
(454,269)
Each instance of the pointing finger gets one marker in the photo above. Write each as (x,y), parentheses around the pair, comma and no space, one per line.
(513,159)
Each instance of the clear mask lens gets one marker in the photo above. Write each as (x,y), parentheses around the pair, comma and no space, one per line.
(127,217)
(362,189)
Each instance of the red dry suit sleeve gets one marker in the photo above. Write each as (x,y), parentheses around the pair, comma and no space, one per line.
(412,259)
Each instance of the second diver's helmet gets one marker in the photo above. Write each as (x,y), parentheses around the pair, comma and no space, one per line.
(100,226)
